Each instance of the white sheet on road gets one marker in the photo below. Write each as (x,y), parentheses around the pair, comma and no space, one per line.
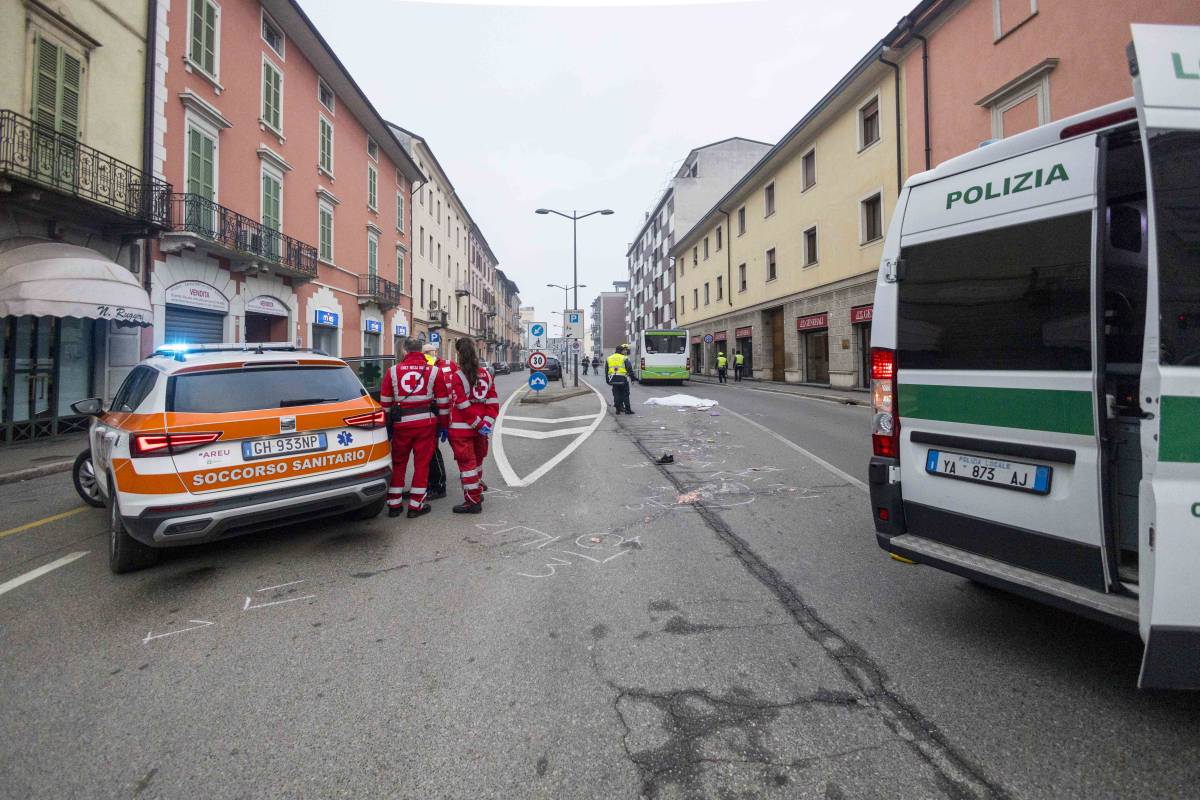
(680,401)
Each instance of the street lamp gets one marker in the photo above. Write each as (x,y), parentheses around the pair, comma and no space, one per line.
(574,217)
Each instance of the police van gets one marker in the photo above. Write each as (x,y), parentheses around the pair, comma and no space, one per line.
(1036,363)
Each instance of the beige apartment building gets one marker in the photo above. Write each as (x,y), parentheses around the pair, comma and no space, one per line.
(782,268)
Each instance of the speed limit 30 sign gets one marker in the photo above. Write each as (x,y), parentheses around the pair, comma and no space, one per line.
(537,360)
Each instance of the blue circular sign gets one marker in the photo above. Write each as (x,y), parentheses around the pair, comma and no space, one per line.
(537,329)
(435,337)
(538,381)
(708,338)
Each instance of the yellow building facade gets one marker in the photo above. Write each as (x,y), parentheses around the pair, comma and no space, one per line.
(782,268)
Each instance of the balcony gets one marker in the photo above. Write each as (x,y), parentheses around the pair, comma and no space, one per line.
(462,288)
(249,245)
(38,155)
(374,289)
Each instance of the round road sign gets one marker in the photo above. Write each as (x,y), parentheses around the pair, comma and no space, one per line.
(537,329)
(537,360)
(538,381)
(708,338)
(577,346)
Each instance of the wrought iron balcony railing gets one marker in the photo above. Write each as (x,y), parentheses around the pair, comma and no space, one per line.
(379,290)
(241,235)
(43,156)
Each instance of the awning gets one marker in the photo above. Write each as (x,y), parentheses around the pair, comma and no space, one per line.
(54,279)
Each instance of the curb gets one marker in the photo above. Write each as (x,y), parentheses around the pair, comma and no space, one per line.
(37,472)
(530,398)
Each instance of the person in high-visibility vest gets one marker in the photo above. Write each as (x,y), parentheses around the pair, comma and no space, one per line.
(722,368)
(739,363)
(617,374)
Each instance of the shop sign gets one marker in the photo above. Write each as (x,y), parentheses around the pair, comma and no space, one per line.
(720,336)
(372,326)
(330,319)
(196,294)
(744,333)
(861,314)
(696,339)
(812,322)
(264,304)
(402,330)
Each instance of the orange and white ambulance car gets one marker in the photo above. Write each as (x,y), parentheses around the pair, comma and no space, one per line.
(215,441)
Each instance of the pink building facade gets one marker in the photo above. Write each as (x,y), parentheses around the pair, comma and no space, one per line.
(994,68)
(292,209)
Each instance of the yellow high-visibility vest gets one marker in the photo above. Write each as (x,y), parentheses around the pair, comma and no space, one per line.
(616,364)
(739,359)
(722,362)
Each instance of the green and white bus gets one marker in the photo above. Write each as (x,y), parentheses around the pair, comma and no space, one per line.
(661,355)
(1035,361)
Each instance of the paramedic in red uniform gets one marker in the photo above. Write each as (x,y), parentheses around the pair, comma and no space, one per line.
(411,390)
(471,392)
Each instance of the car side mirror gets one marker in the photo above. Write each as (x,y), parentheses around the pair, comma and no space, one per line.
(92,407)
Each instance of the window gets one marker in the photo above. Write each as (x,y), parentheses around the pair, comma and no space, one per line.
(868,124)
(272,97)
(705,293)
(720,287)
(1030,282)
(810,246)
(695,256)
(439,212)
(695,298)
(325,145)
(771,264)
(372,187)
(706,248)
(201,163)
(741,220)
(769,199)
(134,389)
(205,35)
(1022,104)
(400,268)
(372,254)
(421,240)
(227,391)
(422,304)
(809,163)
(1007,15)
(272,35)
(372,149)
(57,88)
(325,95)
(399,211)
(1175,166)
(741,277)
(718,237)
(325,232)
(272,199)
(872,219)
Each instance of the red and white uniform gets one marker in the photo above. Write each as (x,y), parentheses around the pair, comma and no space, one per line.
(415,388)
(469,403)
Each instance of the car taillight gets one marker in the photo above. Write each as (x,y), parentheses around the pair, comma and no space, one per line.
(156,444)
(373,419)
(885,422)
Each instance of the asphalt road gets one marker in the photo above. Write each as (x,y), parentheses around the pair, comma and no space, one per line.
(722,627)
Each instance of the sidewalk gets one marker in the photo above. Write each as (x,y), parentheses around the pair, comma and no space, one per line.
(20,462)
(849,397)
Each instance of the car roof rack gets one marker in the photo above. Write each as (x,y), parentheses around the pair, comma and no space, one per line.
(180,351)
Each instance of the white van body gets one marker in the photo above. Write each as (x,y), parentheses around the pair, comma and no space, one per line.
(1036,363)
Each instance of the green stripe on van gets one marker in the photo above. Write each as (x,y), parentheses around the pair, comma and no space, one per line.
(1056,410)
(1179,431)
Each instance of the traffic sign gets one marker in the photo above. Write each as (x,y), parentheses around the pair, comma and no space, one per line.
(576,346)
(574,326)
(538,381)
(537,360)
(708,338)
(435,337)
(537,329)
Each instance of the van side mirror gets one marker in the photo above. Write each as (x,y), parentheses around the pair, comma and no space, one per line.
(92,407)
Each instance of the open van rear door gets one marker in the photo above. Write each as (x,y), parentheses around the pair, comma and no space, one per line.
(1165,62)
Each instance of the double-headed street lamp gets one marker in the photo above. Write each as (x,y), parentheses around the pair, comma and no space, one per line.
(574,217)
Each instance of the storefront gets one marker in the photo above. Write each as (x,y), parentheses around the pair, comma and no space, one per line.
(325,331)
(745,346)
(697,361)
(719,346)
(814,347)
(266,320)
(195,313)
(399,334)
(860,321)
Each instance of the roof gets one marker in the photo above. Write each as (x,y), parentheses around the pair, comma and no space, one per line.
(871,58)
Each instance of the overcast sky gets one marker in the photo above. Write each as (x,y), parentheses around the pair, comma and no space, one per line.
(585,108)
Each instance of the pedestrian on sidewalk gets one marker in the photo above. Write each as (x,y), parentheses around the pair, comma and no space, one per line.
(437,466)
(585,362)
(596,364)
(722,368)
(617,376)
(471,392)
(739,362)
(411,391)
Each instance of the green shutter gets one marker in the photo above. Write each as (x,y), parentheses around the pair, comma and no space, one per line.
(372,186)
(372,256)
(400,269)
(68,96)
(325,235)
(203,50)
(201,165)
(271,190)
(45,84)
(326,145)
(272,89)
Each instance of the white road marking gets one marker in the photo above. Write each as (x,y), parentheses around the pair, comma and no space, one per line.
(33,574)
(550,419)
(521,433)
(846,476)
(248,607)
(280,586)
(502,462)
(151,635)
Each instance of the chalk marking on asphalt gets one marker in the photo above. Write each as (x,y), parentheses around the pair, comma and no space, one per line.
(550,419)
(33,574)
(151,636)
(248,607)
(280,586)
(524,434)
(43,521)
(501,458)
(846,476)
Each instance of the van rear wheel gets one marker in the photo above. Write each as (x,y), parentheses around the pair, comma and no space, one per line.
(125,553)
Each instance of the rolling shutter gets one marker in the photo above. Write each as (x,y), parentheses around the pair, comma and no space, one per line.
(193,326)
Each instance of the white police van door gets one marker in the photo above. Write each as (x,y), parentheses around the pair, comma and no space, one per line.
(1167,90)
(996,381)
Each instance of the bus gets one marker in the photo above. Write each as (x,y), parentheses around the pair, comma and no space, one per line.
(661,355)
(1035,363)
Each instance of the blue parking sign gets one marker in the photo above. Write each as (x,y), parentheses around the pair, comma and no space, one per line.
(538,381)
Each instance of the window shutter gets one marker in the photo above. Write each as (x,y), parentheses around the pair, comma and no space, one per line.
(45,84)
(195,166)
(72,72)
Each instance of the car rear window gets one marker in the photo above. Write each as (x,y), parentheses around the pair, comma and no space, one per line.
(224,391)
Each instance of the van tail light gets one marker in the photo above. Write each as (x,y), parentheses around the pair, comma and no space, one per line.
(885,421)
(373,419)
(159,444)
